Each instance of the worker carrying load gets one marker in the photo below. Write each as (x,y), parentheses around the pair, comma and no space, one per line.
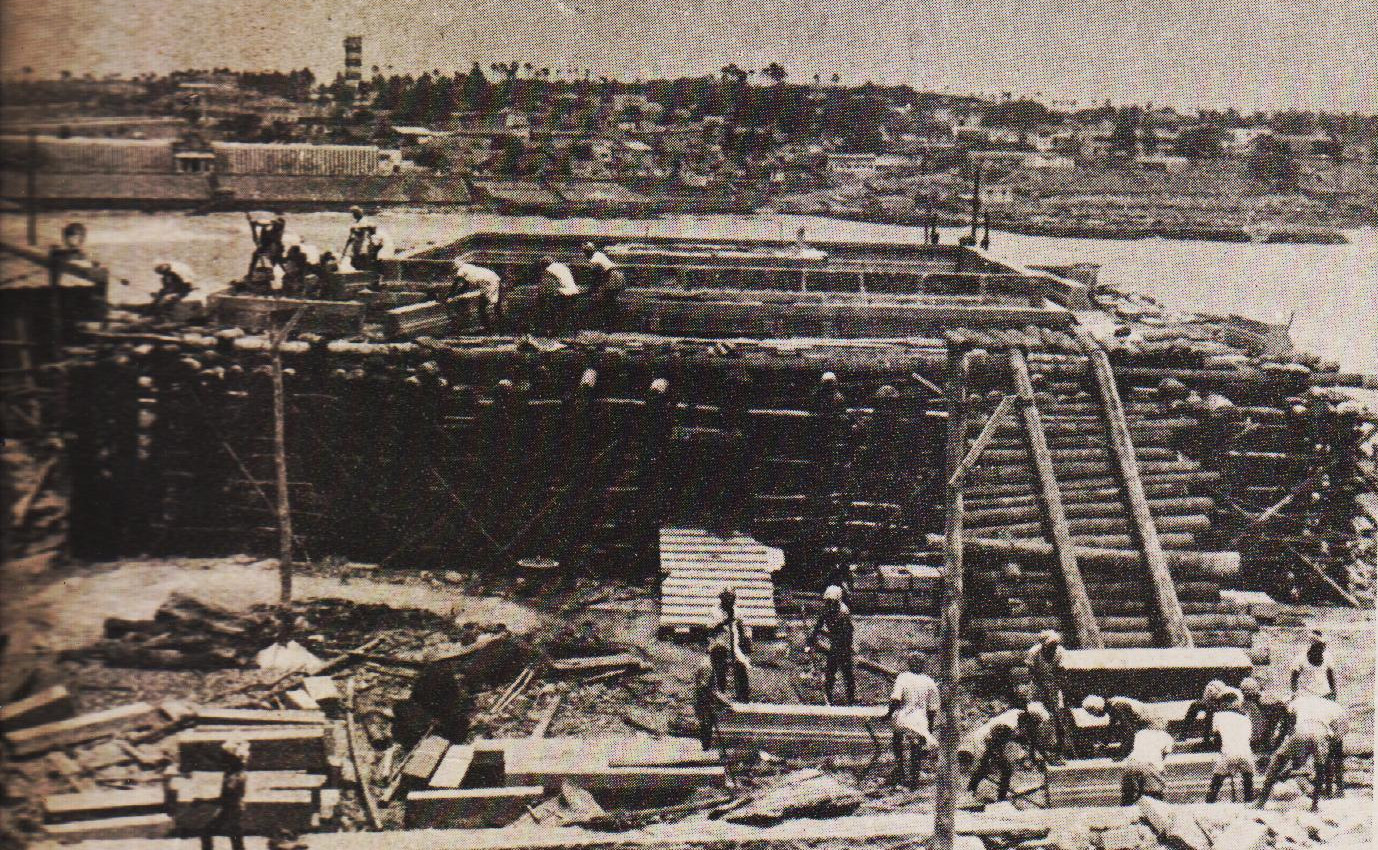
(473,278)
(835,621)
(913,716)
(729,647)
(1023,726)
(1145,765)
(176,283)
(1316,728)
(267,230)
(1045,661)
(1231,732)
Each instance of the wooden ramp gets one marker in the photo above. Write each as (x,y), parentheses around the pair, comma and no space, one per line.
(696,565)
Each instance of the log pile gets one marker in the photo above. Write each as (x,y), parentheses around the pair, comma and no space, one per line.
(174,433)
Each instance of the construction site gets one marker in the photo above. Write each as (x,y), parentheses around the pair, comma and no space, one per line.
(699,554)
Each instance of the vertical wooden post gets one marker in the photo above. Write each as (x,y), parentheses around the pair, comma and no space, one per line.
(975,202)
(284,507)
(1054,515)
(31,188)
(949,635)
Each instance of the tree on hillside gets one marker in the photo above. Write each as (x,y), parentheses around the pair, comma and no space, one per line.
(1124,139)
(1271,162)
(1199,143)
(776,72)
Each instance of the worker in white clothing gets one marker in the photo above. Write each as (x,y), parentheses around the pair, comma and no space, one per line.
(1312,672)
(1316,724)
(555,296)
(1144,767)
(1232,731)
(913,715)
(470,278)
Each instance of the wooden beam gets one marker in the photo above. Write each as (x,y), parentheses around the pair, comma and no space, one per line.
(950,648)
(1164,590)
(1054,513)
(973,455)
(85,727)
(360,773)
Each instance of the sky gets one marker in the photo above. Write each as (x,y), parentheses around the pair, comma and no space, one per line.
(1188,54)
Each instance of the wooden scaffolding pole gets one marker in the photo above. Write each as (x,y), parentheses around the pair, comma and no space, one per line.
(1169,608)
(949,635)
(284,507)
(1054,514)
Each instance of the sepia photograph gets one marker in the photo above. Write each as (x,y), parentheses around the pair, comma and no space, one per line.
(688,425)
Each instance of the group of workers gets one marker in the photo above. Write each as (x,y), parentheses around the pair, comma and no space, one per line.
(913,706)
(1241,724)
(558,293)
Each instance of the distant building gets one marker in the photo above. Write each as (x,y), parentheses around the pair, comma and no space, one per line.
(1169,164)
(852,164)
(354,60)
(1047,161)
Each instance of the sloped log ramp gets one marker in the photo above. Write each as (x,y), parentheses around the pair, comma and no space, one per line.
(1054,516)
(1169,609)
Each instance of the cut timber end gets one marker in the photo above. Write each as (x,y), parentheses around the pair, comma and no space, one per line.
(46,706)
(257,717)
(469,807)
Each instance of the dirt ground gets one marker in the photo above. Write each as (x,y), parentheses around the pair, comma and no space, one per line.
(48,615)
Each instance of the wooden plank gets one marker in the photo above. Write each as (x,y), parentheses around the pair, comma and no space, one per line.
(1054,514)
(425,760)
(1096,782)
(47,706)
(258,717)
(593,664)
(1169,608)
(136,827)
(453,767)
(266,810)
(92,805)
(450,808)
(85,727)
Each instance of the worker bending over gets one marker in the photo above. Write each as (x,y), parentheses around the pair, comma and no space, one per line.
(835,621)
(1023,726)
(1231,732)
(1266,714)
(1315,724)
(1144,766)
(1127,716)
(470,278)
(555,297)
(729,647)
(913,715)
(176,284)
(1215,696)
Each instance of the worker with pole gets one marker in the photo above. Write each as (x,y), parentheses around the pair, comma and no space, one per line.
(1314,722)
(835,620)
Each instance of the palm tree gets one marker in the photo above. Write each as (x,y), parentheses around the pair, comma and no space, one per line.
(776,72)
(836,78)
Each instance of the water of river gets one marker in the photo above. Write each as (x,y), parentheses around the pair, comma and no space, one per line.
(1330,291)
